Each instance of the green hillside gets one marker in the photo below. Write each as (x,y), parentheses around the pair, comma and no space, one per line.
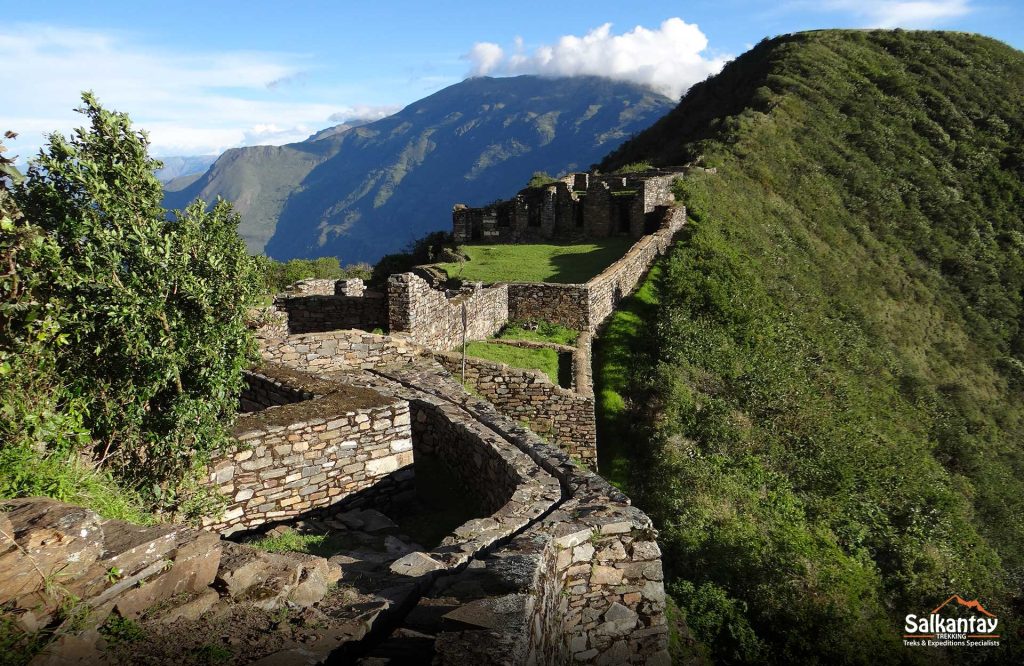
(834,386)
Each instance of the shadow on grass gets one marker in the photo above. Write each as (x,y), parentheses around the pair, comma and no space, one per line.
(578,268)
(620,353)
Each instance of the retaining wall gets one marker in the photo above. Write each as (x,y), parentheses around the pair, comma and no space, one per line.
(621,278)
(265,390)
(311,314)
(562,415)
(581,585)
(338,350)
(565,304)
(584,307)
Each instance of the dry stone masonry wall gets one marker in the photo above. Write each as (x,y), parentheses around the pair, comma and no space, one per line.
(581,585)
(338,350)
(432,318)
(294,457)
(576,207)
(621,278)
(562,415)
(310,314)
(565,304)
(262,391)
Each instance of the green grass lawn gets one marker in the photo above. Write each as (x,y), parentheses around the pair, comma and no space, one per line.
(566,264)
(545,360)
(546,332)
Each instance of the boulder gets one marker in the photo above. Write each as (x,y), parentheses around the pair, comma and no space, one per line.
(45,543)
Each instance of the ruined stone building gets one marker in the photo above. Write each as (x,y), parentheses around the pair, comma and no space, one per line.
(576,207)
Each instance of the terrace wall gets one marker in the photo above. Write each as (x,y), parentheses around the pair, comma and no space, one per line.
(338,350)
(562,415)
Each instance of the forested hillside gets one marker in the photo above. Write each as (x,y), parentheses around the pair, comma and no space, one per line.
(834,385)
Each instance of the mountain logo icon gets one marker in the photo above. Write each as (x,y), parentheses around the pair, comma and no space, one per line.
(973,604)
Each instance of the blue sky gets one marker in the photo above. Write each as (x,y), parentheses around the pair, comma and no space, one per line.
(202,77)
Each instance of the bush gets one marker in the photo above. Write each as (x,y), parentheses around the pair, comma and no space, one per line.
(540,179)
(279,274)
(140,316)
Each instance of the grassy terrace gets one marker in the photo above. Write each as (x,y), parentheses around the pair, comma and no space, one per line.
(566,264)
(545,360)
(616,361)
(545,332)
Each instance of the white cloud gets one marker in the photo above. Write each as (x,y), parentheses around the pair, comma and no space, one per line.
(363,112)
(902,13)
(190,103)
(485,56)
(669,59)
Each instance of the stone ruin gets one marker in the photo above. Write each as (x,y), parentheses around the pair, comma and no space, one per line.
(343,437)
(576,207)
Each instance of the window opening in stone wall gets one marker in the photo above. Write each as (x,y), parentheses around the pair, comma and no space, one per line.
(505,216)
(533,215)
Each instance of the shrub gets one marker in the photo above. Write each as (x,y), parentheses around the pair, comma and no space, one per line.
(141,316)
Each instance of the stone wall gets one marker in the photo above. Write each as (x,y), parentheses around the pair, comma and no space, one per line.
(311,314)
(562,415)
(268,323)
(311,287)
(326,287)
(576,207)
(582,584)
(338,350)
(479,466)
(264,390)
(433,318)
(295,457)
(621,278)
(512,488)
(582,365)
(565,304)
(585,307)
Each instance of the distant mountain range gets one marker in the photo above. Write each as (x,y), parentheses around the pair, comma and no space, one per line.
(179,166)
(361,191)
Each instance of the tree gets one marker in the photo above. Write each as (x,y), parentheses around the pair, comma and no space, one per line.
(151,309)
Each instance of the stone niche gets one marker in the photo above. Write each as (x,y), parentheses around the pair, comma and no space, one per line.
(305,443)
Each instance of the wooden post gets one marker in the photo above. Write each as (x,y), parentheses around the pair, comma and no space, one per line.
(465,323)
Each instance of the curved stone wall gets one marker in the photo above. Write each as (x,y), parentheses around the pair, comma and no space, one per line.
(582,584)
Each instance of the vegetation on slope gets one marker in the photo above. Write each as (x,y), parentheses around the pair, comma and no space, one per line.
(122,333)
(836,378)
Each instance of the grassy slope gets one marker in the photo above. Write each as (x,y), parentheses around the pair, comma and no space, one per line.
(619,377)
(545,332)
(545,360)
(566,264)
(838,402)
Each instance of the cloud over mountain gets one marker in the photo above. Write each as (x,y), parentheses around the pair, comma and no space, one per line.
(669,59)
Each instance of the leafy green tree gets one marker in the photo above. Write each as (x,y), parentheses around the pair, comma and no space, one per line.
(149,311)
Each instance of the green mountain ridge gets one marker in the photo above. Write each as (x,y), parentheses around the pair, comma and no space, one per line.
(827,418)
(369,190)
